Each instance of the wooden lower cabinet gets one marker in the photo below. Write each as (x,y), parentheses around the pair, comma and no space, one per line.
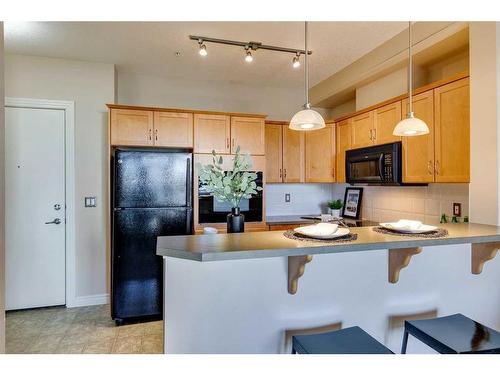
(212,132)
(293,155)
(386,119)
(131,127)
(274,154)
(452,128)
(320,155)
(343,131)
(172,129)
(418,151)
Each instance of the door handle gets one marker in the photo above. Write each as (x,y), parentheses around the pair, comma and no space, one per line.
(437,167)
(55,221)
(429,167)
(156,134)
(150,134)
(371,136)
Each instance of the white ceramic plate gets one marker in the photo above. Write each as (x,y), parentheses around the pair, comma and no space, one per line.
(423,229)
(339,233)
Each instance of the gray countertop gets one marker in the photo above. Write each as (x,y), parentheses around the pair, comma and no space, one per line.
(251,245)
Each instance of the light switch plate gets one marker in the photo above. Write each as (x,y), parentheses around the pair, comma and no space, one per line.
(90,202)
(287,197)
(457,209)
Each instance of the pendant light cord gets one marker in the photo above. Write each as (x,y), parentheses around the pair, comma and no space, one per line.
(410,70)
(306,68)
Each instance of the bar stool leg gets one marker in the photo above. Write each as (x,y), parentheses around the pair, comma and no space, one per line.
(405,342)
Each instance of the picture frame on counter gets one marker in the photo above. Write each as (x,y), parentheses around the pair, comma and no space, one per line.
(352,202)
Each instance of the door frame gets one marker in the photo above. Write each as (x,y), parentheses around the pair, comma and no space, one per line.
(69,170)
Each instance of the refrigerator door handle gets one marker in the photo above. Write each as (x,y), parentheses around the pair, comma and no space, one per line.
(188,182)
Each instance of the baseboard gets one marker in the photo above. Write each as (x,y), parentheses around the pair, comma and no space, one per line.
(96,299)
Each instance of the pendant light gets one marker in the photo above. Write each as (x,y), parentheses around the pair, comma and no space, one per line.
(410,126)
(307,119)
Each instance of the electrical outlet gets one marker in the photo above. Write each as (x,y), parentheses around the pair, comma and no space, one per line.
(457,209)
(90,202)
(287,198)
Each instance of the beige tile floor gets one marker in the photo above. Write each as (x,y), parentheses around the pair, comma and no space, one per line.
(88,330)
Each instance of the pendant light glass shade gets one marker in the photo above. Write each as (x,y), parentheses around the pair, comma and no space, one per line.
(307,119)
(410,126)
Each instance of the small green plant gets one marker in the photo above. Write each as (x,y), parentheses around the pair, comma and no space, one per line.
(233,185)
(335,204)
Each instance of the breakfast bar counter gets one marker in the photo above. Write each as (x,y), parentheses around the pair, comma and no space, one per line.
(240,292)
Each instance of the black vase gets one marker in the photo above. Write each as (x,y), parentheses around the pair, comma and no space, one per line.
(235,221)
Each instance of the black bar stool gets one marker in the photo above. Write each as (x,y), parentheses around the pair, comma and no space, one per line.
(351,340)
(454,334)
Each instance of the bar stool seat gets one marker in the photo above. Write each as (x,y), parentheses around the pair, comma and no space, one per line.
(453,334)
(351,340)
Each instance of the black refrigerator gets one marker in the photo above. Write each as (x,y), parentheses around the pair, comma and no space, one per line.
(151,196)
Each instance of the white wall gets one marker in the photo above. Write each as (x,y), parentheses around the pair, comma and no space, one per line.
(2,201)
(141,89)
(90,86)
(484,141)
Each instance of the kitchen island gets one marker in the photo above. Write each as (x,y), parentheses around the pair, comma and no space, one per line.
(242,293)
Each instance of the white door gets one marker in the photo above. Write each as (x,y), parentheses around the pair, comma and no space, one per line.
(34,208)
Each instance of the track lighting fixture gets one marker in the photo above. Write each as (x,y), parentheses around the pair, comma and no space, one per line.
(249,47)
(203,48)
(248,57)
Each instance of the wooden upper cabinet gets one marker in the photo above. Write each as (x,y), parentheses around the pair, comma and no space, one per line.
(173,129)
(363,126)
(452,128)
(343,137)
(418,151)
(131,127)
(293,155)
(274,146)
(386,119)
(320,156)
(249,134)
(212,132)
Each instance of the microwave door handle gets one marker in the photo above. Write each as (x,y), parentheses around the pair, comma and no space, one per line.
(381,166)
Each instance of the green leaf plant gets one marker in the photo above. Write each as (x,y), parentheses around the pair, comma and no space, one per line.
(230,185)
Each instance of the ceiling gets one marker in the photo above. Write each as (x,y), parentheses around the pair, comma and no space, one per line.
(150,47)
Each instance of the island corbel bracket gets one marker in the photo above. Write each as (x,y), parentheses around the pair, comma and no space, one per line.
(399,259)
(296,268)
(481,253)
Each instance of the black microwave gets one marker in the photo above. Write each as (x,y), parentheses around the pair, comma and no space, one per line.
(210,210)
(375,165)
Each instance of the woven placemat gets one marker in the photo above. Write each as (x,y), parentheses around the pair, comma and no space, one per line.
(440,232)
(290,234)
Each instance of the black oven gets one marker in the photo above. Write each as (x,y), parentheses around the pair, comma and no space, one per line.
(210,210)
(376,165)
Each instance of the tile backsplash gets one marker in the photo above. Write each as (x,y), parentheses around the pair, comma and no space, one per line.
(424,203)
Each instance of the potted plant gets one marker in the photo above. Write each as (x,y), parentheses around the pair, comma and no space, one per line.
(335,207)
(231,185)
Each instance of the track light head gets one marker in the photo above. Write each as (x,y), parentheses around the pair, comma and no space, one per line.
(296,61)
(203,48)
(248,57)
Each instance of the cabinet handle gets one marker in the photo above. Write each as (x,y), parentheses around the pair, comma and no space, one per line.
(150,134)
(429,167)
(281,175)
(233,143)
(371,138)
(284,173)
(374,134)
(437,167)
(227,143)
(156,134)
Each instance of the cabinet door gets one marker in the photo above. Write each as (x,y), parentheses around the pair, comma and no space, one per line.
(418,152)
(362,129)
(320,157)
(212,132)
(386,119)
(249,134)
(343,135)
(131,127)
(452,127)
(274,145)
(293,155)
(173,129)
